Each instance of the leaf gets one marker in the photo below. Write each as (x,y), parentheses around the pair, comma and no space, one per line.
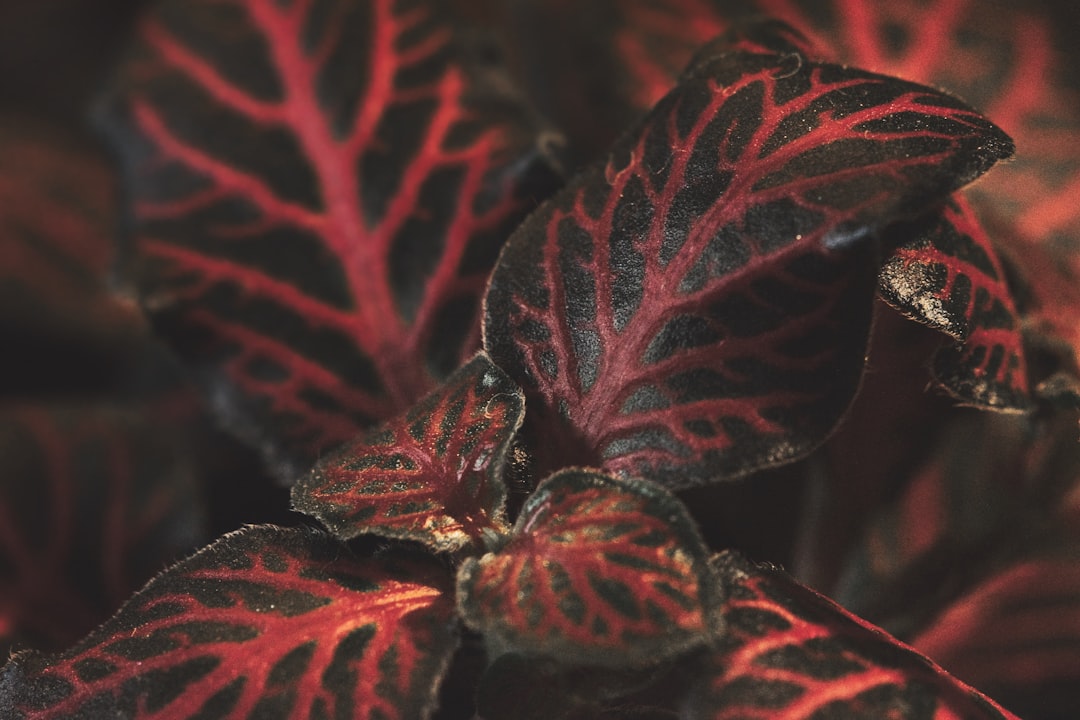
(599,571)
(93,501)
(319,192)
(266,622)
(1016,634)
(63,330)
(698,308)
(791,653)
(433,474)
(950,278)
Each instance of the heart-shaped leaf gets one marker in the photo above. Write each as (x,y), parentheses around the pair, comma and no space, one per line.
(266,622)
(93,501)
(599,571)
(951,279)
(433,474)
(698,307)
(319,193)
(788,652)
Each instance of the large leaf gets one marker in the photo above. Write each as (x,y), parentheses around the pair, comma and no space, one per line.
(93,501)
(319,191)
(790,653)
(950,278)
(599,571)
(433,474)
(698,307)
(264,623)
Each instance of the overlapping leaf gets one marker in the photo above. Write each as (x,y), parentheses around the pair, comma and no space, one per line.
(266,622)
(950,278)
(319,192)
(790,653)
(93,502)
(433,474)
(698,307)
(599,571)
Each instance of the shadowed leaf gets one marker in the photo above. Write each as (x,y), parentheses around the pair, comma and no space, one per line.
(319,191)
(433,474)
(93,501)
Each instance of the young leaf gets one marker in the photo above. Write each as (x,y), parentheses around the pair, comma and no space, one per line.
(433,474)
(950,278)
(93,501)
(698,307)
(319,192)
(599,571)
(790,653)
(266,622)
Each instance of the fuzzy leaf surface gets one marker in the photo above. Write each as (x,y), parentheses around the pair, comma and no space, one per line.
(93,501)
(266,622)
(319,191)
(433,474)
(790,653)
(950,277)
(697,308)
(598,571)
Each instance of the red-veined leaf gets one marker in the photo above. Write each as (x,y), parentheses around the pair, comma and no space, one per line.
(433,474)
(62,328)
(319,191)
(698,307)
(599,571)
(266,622)
(789,653)
(1016,635)
(950,278)
(93,501)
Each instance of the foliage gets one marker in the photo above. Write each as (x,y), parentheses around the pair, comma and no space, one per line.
(563,327)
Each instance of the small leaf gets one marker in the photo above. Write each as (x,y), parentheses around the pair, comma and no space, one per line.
(599,571)
(266,622)
(433,474)
(789,652)
(951,279)
(319,192)
(94,500)
(698,308)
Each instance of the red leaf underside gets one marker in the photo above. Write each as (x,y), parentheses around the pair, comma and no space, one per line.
(433,474)
(951,278)
(266,622)
(698,307)
(1016,634)
(320,189)
(599,571)
(93,502)
(789,653)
